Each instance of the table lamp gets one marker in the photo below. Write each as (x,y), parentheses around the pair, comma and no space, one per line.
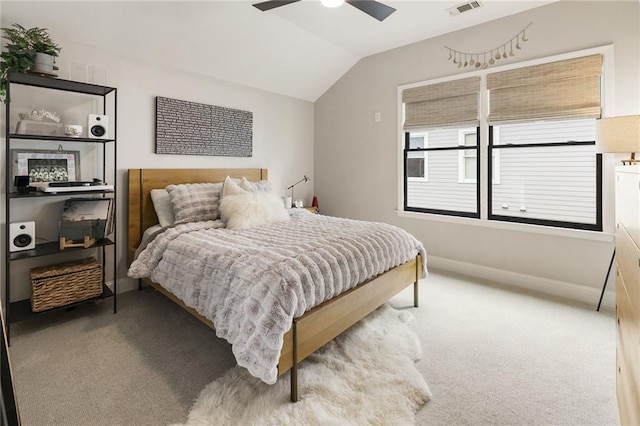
(619,134)
(304,179)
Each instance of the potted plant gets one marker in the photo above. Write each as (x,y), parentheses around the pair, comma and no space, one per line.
(27,49)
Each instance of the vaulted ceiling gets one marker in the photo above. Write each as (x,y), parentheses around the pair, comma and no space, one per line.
(298,50)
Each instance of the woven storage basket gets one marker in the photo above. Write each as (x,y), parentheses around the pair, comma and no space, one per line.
(65,283)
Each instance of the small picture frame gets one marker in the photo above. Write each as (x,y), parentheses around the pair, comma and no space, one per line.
(43,165)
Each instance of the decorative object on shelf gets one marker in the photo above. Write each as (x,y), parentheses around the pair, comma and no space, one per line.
(84,221)
(40,115)
(619,134)
(43,165)
(298,204)
(65,283)
(489,57)
(39,122)
(98,126)
(86,242)
(190,128)
(71,186)
(28,50)
(22,236)
(314,203)
(21,183)
(304,179)
(39,128)
(73,130)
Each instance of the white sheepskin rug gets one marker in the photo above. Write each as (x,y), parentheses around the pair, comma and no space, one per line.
(365,376)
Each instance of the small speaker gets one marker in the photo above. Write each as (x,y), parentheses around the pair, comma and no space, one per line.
(22,236)
(22,184)
(98,126)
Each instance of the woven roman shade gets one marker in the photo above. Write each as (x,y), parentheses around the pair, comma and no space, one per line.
(563,89)
(442,104)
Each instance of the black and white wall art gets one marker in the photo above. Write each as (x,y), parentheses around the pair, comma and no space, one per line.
(190,128)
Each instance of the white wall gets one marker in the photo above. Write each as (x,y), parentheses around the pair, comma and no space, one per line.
(282,132)
(356,157)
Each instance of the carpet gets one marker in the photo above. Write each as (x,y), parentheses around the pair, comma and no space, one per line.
(367,375)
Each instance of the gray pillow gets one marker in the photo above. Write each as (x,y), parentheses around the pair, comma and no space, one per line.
(162,205)
(260,186)
(195,202)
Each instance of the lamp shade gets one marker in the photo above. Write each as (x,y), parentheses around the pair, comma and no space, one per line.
(618,134)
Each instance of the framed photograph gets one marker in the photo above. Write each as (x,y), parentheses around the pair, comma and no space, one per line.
(45,165)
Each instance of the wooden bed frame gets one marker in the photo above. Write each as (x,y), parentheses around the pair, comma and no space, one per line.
(316,327)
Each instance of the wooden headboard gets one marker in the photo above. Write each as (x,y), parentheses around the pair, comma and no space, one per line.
(141,214)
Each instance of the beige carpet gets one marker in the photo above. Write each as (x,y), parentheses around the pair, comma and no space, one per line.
(490,356)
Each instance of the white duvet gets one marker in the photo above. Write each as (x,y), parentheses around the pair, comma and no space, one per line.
(251,283)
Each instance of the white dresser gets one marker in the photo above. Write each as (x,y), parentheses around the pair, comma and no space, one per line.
(628,292)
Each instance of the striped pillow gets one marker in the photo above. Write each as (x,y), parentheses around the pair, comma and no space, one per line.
(195,202)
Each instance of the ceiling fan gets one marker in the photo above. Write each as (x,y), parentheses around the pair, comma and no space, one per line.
(370,7)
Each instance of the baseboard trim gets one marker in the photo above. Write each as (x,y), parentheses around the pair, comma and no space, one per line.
(124,284)
(551,287)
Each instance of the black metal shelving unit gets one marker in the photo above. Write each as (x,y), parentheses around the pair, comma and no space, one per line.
(21,310)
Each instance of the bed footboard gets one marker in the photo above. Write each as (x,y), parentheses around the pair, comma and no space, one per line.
(323,323)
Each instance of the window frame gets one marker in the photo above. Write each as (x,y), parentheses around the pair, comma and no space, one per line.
(425,178)
(545,222)
(608,161)
(462,164)
(407,150)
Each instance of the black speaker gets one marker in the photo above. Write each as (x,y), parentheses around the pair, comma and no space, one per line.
(98,126)
(22,184)
(22,236)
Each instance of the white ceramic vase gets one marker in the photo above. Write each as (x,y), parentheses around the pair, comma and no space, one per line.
(43,62)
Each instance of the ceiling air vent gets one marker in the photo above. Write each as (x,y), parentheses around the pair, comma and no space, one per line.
(464,7)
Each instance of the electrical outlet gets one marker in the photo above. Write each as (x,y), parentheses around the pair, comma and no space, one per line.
(377,117)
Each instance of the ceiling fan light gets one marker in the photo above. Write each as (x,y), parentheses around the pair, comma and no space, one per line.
(332,3)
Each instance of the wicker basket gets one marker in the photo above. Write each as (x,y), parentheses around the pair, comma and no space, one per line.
(65,283)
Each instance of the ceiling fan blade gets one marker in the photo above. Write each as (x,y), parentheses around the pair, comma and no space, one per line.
(268,5)
(373,8)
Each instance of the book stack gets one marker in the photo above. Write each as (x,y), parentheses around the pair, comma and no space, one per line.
(85,220)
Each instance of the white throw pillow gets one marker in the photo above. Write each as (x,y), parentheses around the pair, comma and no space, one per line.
(231,187)
(162,204)
(246,185)
(252,209)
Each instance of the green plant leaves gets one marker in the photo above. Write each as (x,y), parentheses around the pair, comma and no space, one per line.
(20,51)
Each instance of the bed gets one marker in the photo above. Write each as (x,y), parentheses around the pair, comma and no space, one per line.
(308,331)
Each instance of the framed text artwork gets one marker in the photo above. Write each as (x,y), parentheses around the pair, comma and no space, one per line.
(190,128)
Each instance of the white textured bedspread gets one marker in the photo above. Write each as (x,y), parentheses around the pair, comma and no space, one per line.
(251,283)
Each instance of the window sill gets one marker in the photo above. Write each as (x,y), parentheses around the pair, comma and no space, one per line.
(519,227)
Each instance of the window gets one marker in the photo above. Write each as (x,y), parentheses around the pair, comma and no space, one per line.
(437,113)
(468,158)
(417,160)
(542,122)
(550,174)
(442,192)
(541,164)
(468,161)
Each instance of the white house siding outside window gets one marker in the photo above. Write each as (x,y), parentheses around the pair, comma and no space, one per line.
(442,191)
(540,148)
